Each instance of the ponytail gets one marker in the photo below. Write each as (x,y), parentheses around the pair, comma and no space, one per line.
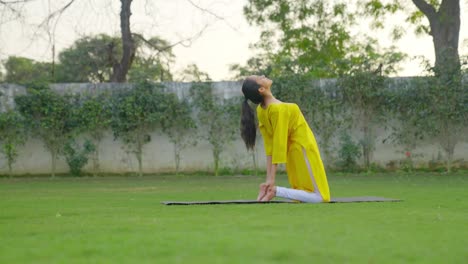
(248,127)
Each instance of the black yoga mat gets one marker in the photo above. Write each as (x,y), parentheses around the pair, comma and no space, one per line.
(359,199)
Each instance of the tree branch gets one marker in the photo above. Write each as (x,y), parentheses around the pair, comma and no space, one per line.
(426,8)
(182,42)
(212,14)
(14,2)
(9,5)
(56,13)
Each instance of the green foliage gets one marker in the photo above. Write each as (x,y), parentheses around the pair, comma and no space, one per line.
(401,99)
(439,113)
(94,113)
(430,109)
(380,12)
(217,119)
(89,59)
(441,21)
(13,133)
(25,71)
(258,65)
(364,97)
(313,39)
(149,69)
(77,156)
(193,74)
(137,112)
(179,126)
(312,35)
(348,154)
(152,61)
(92,58)
(50,117)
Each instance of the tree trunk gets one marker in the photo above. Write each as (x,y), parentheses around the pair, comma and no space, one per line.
(54,162)
(448,142)
(8,148)
(139,156)
(177,150)
(326,146)
(140,163)
(445,32)
(10,168)
(120,69)
(96,160)
(216,154)
(449,161)
(366,142)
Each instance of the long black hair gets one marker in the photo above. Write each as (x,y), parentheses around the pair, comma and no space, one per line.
(247,126)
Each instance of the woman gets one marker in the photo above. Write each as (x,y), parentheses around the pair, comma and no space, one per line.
(287,139)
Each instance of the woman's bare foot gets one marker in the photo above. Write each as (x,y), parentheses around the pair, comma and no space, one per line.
(270,194)
(262,191)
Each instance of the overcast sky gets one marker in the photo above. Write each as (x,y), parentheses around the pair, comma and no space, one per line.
(223,42)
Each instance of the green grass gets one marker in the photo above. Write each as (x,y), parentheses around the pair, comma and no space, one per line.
(121,220)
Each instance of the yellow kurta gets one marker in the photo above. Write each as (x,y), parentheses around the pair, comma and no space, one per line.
(288,139)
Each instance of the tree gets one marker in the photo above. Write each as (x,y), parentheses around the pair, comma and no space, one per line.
(121,66)
(23,71)
(95,114)
(193,74)
(179,126)
(121,57)
(152,61)
(50,117)
(323,29)
(302,37)
(348,153)
(217,119)
(435,112)
(77,156)
(13,133)
(445,30)
(91,59)
(444,26)
(310,38)
(258,65)
(443,96)
(149,69)
(363,94)
(87,60)
(137,112)
(405,127)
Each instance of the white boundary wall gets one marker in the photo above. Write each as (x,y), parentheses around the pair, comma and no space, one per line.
(158,154)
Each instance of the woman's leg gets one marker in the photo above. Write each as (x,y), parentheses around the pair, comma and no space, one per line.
(298,195)
(303,176)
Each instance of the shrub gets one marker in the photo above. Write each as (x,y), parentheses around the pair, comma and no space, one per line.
(77,156)
(348,153)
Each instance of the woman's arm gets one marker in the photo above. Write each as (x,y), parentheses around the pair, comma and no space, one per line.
(271,171)
(267,190)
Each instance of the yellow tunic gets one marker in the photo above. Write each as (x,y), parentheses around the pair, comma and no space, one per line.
(288,139)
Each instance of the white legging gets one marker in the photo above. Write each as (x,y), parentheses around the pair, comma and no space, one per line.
(298,195)
(301,195)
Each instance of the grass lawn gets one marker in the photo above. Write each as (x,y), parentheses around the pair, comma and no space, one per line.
(121,220)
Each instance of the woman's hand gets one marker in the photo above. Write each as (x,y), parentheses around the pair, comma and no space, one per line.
(267,192)
(268,189)
(262,191)
(270,193)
